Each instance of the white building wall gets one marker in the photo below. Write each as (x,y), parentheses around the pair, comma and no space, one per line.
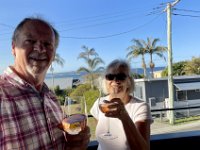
(64,83)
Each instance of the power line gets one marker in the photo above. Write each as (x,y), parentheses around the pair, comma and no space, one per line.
(92,19)
(106,16)
(186,10)
(112,35)
(185,15)
(103,23)
(154,12)
(5,33)
(5,25)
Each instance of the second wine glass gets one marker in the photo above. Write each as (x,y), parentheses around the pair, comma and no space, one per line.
(104,107)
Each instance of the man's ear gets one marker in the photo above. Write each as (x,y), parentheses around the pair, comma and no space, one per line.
(13,49)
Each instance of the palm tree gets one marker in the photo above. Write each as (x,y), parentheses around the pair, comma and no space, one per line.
(90,56)
(58,60)
(151,48)
(87,52)
(142,47)
(137,50)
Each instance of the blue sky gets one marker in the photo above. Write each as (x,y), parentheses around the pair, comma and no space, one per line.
(108,26)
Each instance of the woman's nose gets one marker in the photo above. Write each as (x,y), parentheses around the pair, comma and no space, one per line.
(116,80)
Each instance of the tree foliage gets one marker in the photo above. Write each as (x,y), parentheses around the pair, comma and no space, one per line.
(178,69)
(90,94)
(193,66)
(92,60)
(60,94)
(137,76)
(137,50)
(142,47)
(90,97)
(152,48)
(57,90)
(190,67)
(80,90)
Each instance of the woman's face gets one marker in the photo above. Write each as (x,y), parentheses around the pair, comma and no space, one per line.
(117,81)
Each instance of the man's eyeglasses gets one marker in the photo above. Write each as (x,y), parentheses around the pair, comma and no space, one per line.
(119,76)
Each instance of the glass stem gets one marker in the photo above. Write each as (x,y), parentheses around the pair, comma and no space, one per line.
(69,102)
(108,131)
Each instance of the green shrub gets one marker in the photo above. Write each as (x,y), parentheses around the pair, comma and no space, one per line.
(80,90)
(60,93)
(57,90)
(61,99)
(85,90)
(91,96)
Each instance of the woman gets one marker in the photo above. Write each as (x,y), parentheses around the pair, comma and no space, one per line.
(129,118)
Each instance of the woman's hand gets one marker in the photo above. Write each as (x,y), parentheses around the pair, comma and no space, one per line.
(79,141)
(116,108)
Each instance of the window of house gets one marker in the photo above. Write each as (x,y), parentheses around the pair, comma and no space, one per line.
(181,95)
(138,92)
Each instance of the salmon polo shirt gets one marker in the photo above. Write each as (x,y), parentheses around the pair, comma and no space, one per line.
(28,118)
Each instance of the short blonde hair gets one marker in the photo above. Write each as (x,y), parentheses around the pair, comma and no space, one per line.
(116,64)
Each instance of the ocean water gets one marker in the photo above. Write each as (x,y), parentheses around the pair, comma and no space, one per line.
(75,75)
(65,79)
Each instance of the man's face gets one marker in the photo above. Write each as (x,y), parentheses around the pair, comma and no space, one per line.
(34,49)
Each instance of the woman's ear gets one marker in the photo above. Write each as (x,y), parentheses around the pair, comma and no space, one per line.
(129,81)
(129,84)
(104,86)
(13,49)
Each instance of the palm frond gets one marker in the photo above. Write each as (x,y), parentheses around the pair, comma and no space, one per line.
(83,69)
(59,60)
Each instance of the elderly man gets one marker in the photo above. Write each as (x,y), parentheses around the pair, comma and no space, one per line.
(29,111)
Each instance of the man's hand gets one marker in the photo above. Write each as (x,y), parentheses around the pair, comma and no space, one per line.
(79,141)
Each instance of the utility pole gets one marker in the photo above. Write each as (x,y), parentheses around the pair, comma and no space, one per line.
(170,60)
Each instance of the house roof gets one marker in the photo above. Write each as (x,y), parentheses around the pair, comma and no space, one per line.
(187,86)
(166,78)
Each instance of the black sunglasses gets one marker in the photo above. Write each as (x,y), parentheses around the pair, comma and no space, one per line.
(119,76)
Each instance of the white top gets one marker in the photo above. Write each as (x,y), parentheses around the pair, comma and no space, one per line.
(137,110)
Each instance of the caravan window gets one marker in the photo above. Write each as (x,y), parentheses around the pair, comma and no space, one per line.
(181,95)
(138,92)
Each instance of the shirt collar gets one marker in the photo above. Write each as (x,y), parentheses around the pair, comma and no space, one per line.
(11,74)
(17,81)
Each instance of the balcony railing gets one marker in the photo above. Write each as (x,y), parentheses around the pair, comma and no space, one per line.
(178,137)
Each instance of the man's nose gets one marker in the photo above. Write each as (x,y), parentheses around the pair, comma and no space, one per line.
(39,46)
